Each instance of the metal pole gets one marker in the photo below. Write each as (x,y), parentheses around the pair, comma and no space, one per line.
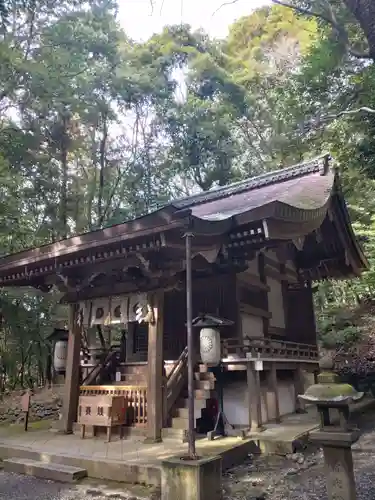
(190,343)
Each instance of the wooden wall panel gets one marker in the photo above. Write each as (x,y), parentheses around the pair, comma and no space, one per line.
(215,295)
(300,317)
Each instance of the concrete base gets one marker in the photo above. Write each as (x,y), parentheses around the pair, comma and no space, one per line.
(125,460)
(191,479)
(52,472)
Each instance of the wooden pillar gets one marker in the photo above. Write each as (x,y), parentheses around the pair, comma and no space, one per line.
(72,376)
(254,398)
(263,279)
(272,384)
(299,388)
(155,371)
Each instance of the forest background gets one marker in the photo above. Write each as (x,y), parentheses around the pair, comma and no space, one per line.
(97,128)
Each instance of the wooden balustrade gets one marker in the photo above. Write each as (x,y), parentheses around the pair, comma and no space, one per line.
(135,397)
(259,347)
(175,381)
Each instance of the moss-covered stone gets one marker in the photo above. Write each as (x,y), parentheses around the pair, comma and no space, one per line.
(331,392)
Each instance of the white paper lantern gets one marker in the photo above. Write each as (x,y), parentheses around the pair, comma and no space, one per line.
(209,340)
(59,356)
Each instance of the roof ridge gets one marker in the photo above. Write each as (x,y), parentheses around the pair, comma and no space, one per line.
(313,165)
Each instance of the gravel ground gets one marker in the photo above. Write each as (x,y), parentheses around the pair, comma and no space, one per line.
(272,478)
(19,487)
(302,476)
(310,485)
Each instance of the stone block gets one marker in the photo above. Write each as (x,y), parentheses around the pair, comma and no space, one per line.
(50,471)
(191,479)
(340,473)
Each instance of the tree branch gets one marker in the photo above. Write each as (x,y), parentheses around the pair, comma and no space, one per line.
(225,4)
(363,109)
(331,19)
(318,122)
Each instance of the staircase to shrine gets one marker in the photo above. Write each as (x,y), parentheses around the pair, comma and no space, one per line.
(133,373)
(132,376)
(179,420)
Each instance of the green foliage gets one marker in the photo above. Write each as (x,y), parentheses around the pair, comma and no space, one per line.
(96,128)
(338,329)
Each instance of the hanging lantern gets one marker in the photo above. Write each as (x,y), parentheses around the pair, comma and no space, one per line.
(210,338)
(60,353)
(210,347)
(59,343)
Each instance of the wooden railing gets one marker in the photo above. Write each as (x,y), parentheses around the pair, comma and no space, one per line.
(176,379)
(259,347)
(135,397)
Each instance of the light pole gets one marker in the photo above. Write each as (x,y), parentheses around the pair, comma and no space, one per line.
(190,343)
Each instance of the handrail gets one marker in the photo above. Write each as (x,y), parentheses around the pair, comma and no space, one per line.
(90,377)
(175,381)
(182,357)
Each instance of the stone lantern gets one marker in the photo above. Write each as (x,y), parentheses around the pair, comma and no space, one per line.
(335,434)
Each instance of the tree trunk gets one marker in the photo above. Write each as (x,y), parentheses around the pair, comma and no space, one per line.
(364,12)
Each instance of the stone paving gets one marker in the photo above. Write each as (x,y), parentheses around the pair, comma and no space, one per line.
(127,450)
(132,450)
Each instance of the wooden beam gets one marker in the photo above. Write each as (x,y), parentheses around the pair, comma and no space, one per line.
(291,274)
(71,391)
(254,398)
(252,281)
(155,371)
(274,264)
(255,311)
(118,289)
(270,272)
(277,330)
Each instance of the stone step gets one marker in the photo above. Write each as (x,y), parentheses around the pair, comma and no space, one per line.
(170,434)
(202,368)
(44,470)
(134,378)
(204,376)
(180,423)
(178,435)
(134,369)
(207,385)
(203,394)
(198,403)
(184,413)
(200,394)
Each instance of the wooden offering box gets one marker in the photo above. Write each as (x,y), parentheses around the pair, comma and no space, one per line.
(101,411)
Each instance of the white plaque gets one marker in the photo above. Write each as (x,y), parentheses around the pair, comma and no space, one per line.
(118,376)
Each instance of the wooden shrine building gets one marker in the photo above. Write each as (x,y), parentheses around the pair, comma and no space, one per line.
(257,246)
